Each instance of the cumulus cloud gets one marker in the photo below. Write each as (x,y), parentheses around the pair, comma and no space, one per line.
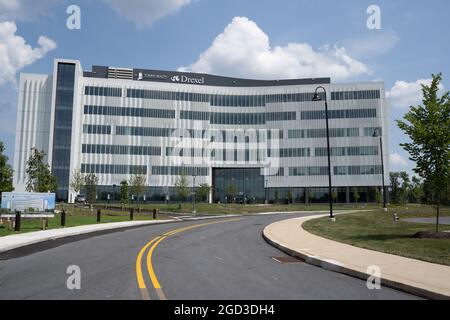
(15,53)
(405,94)
(243,50)
(24,9)
(398,160)
(373,44)
(143,13)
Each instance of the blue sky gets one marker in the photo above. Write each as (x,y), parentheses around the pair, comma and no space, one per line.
(169,34)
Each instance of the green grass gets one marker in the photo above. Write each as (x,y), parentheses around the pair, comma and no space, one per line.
(77,217)
(377,230)
(233,208)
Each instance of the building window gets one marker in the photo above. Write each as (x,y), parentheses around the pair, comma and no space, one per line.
(102,91)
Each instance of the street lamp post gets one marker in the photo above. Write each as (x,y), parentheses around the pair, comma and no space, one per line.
(318,98)
(193,194)
(265,191)
(377,133)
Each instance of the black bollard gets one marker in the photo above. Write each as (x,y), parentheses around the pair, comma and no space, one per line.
(154,214)
(99,214)
(17,224)
(63,218)
(131,214)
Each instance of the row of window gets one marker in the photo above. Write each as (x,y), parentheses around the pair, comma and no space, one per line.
(203,171)
(339,114)
(194,115)
(167,95)
(215,135)
(338,170)
(357,170)
(237,118)
(96,129)
(229,118)
(281,116)
(347,151)
(322,133)
(121,149)
(113,169)
(178,171)
(219,100)
(356,95)
(248,100)
(289,152)
(308,171)
(129,112)
(103,91)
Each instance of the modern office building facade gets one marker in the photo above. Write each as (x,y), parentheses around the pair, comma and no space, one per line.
(251,140)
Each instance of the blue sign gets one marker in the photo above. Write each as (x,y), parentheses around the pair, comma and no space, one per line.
(24,201)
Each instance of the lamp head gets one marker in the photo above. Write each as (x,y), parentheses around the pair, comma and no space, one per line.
(375,133)
(316,97)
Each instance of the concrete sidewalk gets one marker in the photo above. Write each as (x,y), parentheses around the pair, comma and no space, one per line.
(11,242)
(414,276)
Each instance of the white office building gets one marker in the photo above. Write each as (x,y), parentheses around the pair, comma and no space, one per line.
(251,140)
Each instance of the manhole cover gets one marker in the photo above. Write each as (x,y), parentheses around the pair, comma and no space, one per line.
(286,260)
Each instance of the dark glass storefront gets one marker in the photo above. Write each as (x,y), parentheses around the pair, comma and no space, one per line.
(62,134)
(238,185)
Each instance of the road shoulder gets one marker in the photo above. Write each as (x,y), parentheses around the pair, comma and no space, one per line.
(413,276)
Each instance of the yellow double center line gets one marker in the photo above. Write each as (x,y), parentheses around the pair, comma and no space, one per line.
(152,244)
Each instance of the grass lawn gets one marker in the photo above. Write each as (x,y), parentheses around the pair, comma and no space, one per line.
(234,208)
(377,230)
(77,218)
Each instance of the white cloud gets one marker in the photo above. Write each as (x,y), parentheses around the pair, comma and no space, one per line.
(243,49)
(405,94)
(373,44)
(143,13)
(24,9)
(396,159)
(15,53)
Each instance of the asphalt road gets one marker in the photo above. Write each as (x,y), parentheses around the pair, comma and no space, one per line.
(223,260)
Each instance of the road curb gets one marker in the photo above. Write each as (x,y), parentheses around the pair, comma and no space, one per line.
(336,267)
(62,233)
(71,232)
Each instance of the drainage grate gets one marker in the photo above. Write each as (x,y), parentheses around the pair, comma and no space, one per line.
(287,260)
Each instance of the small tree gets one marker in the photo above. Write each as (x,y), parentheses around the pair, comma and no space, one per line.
(378,196)
(427,126)
(91,182)
(277,196)
(355,196)
(404,187)
(77,181)
(311,196)
(416,190)
(203,191)
(124,192)
(395,186)
(182,187)
(39,177)
(138,184)
(289,196)
(231,191)
(6,172)
(334,195)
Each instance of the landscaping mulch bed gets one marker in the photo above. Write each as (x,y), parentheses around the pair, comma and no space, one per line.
(432,235)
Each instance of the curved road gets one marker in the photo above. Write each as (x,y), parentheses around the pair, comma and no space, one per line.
(208,259)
